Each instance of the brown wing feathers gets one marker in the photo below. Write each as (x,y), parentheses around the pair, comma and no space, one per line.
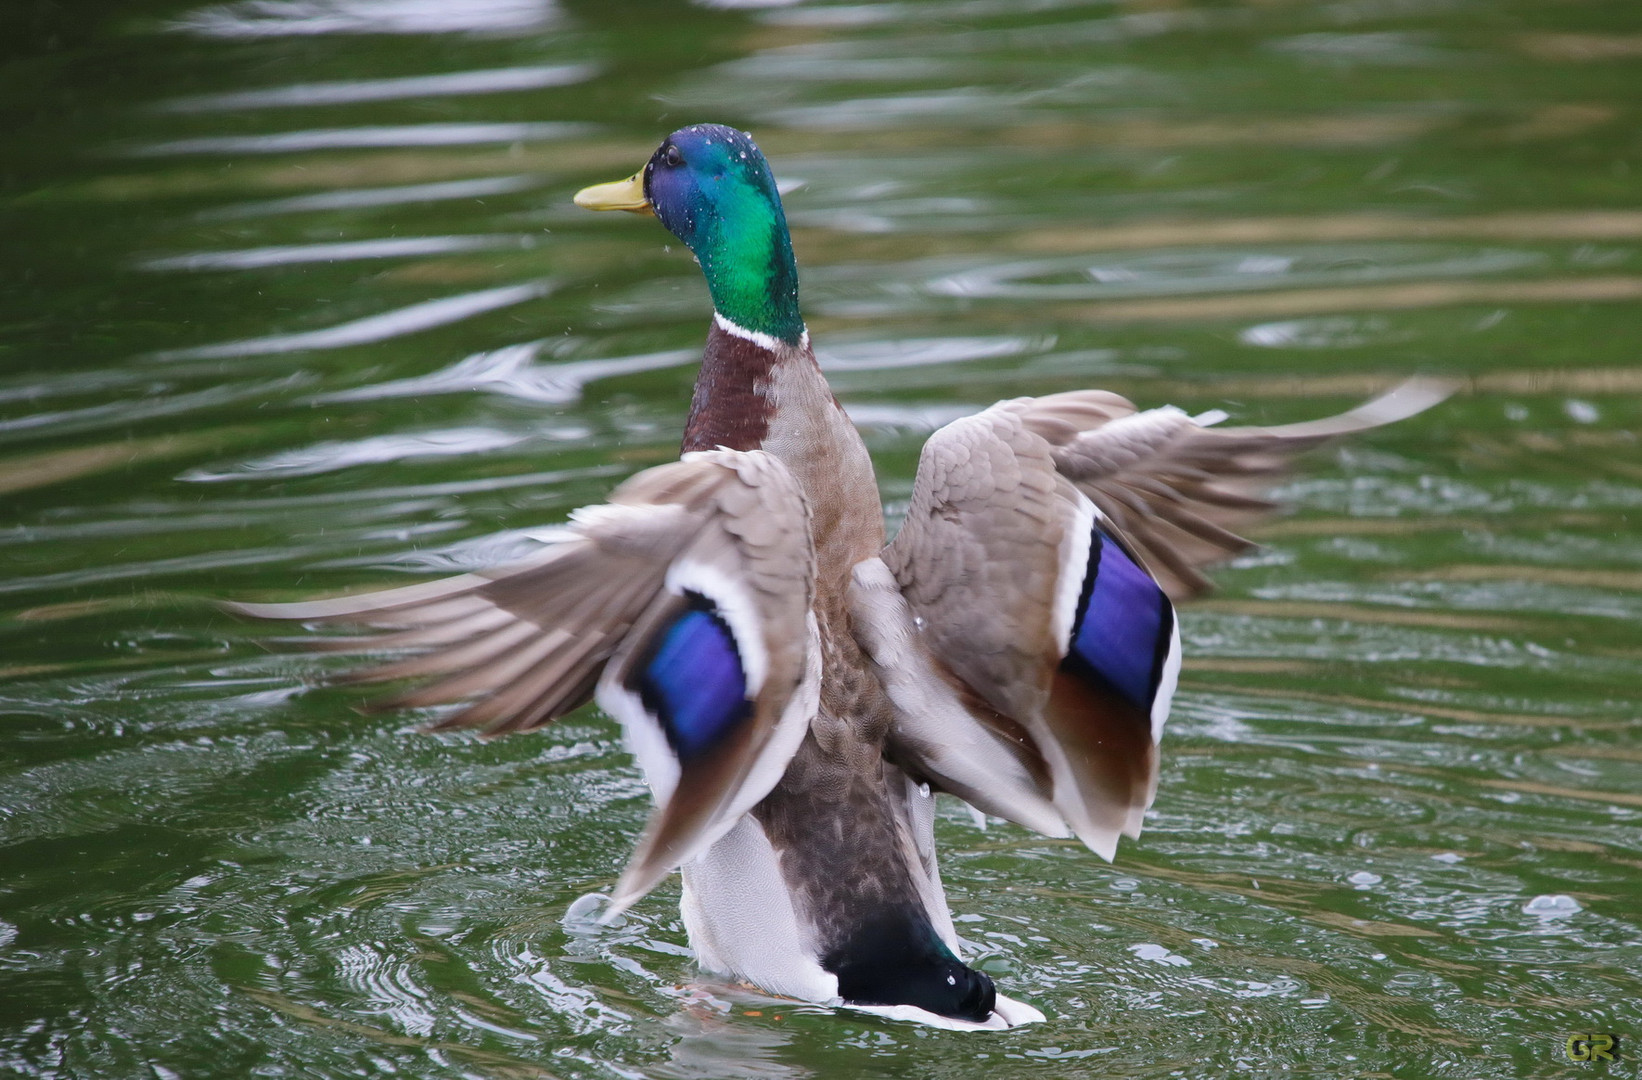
(993,539)
(526,644)
(528,641)
(1176,488)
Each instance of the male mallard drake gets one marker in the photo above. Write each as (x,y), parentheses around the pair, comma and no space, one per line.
(793,688)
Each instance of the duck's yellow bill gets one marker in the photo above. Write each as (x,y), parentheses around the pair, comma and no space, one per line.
(621,195)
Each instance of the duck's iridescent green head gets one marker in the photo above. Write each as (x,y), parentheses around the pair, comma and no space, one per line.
(713,190)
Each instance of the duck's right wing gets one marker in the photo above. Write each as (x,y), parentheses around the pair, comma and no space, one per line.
(683,604)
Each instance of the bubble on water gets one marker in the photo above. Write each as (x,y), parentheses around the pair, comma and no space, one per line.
(1363,879)
(1159,955)
(1581,412)
(1552,906)
(1448,857)
(582,916)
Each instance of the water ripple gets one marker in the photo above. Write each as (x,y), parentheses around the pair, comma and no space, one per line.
(1399,822)
(285,18)
(159,403)
(396,247)
(406,320)
(1185,272)
(350,91)
(513,372)
(360,198)
(919,352)
(360,138)
(330,456)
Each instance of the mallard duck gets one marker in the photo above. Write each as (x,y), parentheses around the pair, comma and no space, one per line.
(794,689)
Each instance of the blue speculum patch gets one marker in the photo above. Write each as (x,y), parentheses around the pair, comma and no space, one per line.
(1124,624)
(693,682)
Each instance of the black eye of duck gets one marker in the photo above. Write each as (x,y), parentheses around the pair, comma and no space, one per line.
(673,157)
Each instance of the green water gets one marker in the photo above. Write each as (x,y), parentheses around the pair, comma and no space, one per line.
(1406,726)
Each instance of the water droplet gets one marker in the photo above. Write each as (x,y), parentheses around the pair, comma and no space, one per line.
(1581,412)
(1159,955)
(582,916)
(1556,906)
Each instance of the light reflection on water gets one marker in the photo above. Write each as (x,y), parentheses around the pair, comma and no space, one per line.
(352,91)
(372,328)
(1399,823)
(287,254)
(302,18)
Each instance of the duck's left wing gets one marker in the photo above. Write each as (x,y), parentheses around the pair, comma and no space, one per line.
(968,615)
(1022,619)
(683,604)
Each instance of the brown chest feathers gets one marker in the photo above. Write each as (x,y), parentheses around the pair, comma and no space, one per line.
(731,406)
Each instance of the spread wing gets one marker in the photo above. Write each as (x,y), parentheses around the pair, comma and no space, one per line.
(1176,487)
(683,604)
(1022,619)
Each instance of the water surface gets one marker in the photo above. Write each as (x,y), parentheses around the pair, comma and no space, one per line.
(296,302)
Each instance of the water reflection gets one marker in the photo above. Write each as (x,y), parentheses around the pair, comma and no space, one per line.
(1269,209)
(372,328)
(361,198)
(513,372)
(1184,272)
(916,352)
(281,18)
(495,81)
(711,1039)
(352,138)
(1331,333)
(1279,303)
(1349,50)
(136,409)
(327,457)
(344,251)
